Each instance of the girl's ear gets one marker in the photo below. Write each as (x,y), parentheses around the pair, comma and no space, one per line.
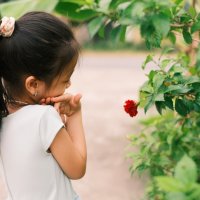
(32,85)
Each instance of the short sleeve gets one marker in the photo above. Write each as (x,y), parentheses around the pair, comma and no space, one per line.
(50,124)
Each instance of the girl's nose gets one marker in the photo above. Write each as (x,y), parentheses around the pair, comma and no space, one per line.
(68,84)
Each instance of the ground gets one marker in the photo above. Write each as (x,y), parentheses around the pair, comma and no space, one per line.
(106,81)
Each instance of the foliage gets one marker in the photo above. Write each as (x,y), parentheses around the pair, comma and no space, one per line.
(157,19)
(182,185)
(163,142)
(171,86)
(23,6)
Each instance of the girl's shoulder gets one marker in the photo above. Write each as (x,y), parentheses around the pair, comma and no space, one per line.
(40,109)
(29,110)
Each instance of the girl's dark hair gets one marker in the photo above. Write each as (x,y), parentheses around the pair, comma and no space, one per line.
(41,45)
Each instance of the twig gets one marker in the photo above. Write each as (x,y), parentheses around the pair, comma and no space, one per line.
(194,3)
(194,39)
(179,25)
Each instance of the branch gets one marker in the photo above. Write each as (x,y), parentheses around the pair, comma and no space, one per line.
(178,34)
(177,25)
(194,3)
(181,25)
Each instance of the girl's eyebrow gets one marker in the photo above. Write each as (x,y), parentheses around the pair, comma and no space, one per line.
(67,77)
(70,74)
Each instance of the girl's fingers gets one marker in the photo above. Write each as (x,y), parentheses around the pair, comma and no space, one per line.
(48,100)
(65,97)
(77,98)
(57,107)
(42,101)
(75,101)
(45,101)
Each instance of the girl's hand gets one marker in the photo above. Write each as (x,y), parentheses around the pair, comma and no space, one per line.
(65,104)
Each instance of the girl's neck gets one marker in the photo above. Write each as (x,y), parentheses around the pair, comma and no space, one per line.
(14,105)
(13,108)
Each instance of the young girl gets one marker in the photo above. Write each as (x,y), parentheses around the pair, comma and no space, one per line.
(42,143)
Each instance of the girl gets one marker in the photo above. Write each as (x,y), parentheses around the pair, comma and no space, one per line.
(42,146)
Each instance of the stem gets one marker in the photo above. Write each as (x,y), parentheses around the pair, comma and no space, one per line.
(180,25)
(194,3)
(178,34)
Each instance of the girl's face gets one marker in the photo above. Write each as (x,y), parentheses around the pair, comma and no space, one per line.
(57,87)
(61,82)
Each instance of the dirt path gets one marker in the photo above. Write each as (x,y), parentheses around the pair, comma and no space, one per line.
(106,81)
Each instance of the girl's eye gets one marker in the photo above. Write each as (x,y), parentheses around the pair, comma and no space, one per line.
(67,83)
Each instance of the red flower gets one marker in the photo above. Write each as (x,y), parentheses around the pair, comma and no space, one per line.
(130,107)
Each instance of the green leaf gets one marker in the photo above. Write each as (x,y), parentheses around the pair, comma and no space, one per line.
(161,23)
(176,69)
(151,75)
(147,88)
(148,32)
(189,104)
(181,108)
(172,37)
(143,99)
(176,196)
(118,33)
(115,3)
(149,58)
(165,63)
(154,40)
(185,18)
(159,106)
(195,27)
(158,80)
(178,2)
(196,107)
(132,14)
(169,184)
(115,34)
(95,25)
(167,50)
(187,36)
(18,8)
(191,79)
(169,102)
(159,97)
(79,2)
(150,101)
(122,34)
(197,98)
(186,170)
(177,89)
(74,11)
(195,191)
(196,87)
(101,32)
(192,12)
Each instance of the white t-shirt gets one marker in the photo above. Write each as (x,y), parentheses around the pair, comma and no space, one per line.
(30,171)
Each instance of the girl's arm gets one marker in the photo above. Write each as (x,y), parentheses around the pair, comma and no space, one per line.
(69,146)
